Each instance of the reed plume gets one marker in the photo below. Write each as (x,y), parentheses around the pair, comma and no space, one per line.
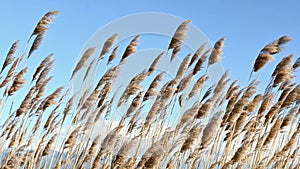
(216,52)
(131,48)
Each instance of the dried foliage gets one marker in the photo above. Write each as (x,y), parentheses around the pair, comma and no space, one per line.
(158,121)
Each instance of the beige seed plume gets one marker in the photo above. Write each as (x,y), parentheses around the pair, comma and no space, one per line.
(185,82)
(154,63)
(50,100)
(205,109)
(44,73)
(183,67)
(154,110)
(36,43)
(296,63)
(42,65)
(266,54)
(254,104)
(241,153)
(219,89)
(283,71)
(111,140)
(92,150)
(68,108)
(194,134)
(217,51)
(211,129)
(232,88)
(160,144)
(26,103)
(286,61)
(207,93)
(18,82)
(262,60)
(131,48)
(198,85)
(41,26)
(113,55)
(49,146)
(41,89)
(10,55)
(87,73)
(108,45)
(273,132)
(273,110)
(72,138)
(132,123)
(125,150)
(11,72)
(231,103)
(134,105)
(289,117)
(276,46)
(152,90)
(286,88)
(91,99)
(239,123)
(179,35)
(291,97)
(200,62)
(188,116)
(283,76)
(197,54)
(175,52)
(140,77)
(82,62)
(109,75)
(49,119)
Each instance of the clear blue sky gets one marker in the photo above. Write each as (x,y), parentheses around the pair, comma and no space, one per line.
(248,26)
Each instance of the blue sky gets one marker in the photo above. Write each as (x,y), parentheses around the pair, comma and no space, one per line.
(248,26)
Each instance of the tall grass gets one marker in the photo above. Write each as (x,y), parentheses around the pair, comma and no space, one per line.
(222,126)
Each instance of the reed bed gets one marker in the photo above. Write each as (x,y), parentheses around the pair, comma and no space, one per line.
(221,125)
